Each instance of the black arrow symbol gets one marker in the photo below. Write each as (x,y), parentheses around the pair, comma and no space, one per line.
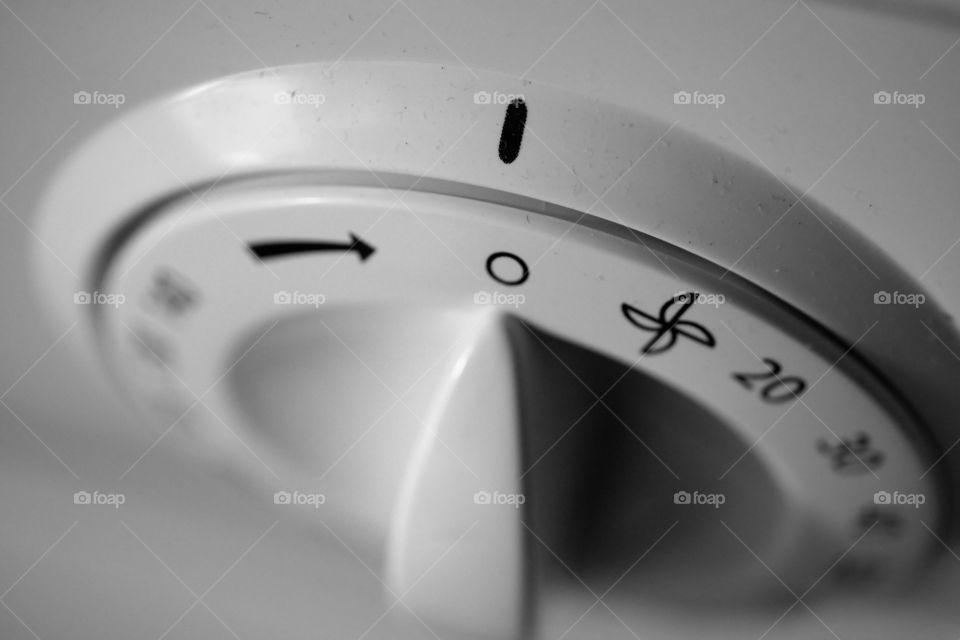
(276,249)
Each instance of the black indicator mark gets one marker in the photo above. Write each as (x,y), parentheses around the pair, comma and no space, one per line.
(510,282)
(512,133)
(265,250)
(667,325)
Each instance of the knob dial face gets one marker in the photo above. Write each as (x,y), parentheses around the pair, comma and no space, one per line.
(429,319)
(505,387)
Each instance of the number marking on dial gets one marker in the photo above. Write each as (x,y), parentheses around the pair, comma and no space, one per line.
(852,456)
(782,389)
(502,279)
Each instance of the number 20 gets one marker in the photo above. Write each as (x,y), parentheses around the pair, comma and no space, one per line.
(777,390)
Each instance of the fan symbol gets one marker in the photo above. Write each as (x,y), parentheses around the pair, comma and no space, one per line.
(667,325)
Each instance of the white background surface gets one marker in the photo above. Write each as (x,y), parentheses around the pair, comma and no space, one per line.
(799,80)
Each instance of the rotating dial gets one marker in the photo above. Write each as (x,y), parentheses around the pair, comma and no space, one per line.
(519,390)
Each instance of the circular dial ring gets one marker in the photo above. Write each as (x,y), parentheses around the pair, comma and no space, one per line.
(419,128)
